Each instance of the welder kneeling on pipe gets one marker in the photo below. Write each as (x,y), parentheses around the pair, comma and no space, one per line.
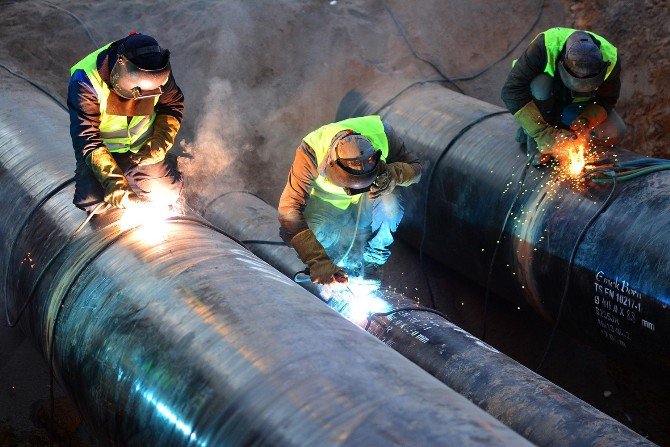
(125,111)
(338,209)
(565,83)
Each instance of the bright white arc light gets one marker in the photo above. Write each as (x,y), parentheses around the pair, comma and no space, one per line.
(359,300)
(150,220)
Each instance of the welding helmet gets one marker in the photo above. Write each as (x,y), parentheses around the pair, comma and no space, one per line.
(141,68)
(353,163)
(582,69)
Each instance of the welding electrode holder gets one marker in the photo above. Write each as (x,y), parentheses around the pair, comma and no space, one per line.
(303,276)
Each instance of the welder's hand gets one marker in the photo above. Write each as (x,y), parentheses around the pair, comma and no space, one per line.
(321,269)
(147,156)
(580,126)
(552,139)
(545,135)
(326,273)
(120,197)
(384,183)
(118,192)
(159,143)
(592,115)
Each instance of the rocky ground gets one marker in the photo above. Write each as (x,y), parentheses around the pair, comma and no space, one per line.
(258,75)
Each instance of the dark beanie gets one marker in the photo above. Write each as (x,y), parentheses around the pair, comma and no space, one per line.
(148,61)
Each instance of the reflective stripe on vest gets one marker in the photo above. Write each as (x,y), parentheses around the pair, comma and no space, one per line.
(116,132)
(554,41)
(370,127)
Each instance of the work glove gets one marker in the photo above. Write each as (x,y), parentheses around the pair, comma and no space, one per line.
(162,138)
(321,269)
(592,115)
(391,175)
(118,192)
(547,137)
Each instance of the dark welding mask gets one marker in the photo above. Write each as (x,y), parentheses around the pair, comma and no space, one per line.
(132,82)
(353,163)
(582,69)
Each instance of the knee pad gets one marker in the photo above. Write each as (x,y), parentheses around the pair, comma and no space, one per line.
(541,87)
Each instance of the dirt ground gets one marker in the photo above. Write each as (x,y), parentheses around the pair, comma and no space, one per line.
(258,75)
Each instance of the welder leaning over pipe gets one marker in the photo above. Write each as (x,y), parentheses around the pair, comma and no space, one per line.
(339,209)
(125,111)
(566,83)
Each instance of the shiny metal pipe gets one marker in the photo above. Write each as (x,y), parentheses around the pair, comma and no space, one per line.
(542,412)
(194,341)
(619,288)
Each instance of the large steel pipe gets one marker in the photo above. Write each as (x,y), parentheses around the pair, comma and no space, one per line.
(542,412)
(619,286)
(195,341)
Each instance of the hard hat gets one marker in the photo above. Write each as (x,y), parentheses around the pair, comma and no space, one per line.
(141,67)
(582,69)
(353,163)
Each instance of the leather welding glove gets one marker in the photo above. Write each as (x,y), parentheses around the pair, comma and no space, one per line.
(592,115)
(321,269)
(547,137)
(161,140)
(118,192)
(390,176)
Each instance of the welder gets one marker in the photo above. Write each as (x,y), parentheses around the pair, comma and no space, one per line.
(125,111)
(339,208)
(566,83)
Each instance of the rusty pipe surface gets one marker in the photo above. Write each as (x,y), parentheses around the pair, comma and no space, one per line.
(539,410)
(194,340)
(477,186)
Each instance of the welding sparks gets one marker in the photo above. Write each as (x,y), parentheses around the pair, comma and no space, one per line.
(573,157)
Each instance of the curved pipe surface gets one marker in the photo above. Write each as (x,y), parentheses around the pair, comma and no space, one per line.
(537,409)
(619,287)
(195,341)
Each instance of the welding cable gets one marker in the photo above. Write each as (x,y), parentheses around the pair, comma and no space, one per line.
(262,242)
(299,280)
(397,95)
(36,85)
(504,56)
(431,176)
(222,195)
(571,261)
(47,266)
(452,81)
(489,275)
(81,22)
(370,317)
(204,223)
(358,220)
(625,171)
(403,33)
(22,227)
